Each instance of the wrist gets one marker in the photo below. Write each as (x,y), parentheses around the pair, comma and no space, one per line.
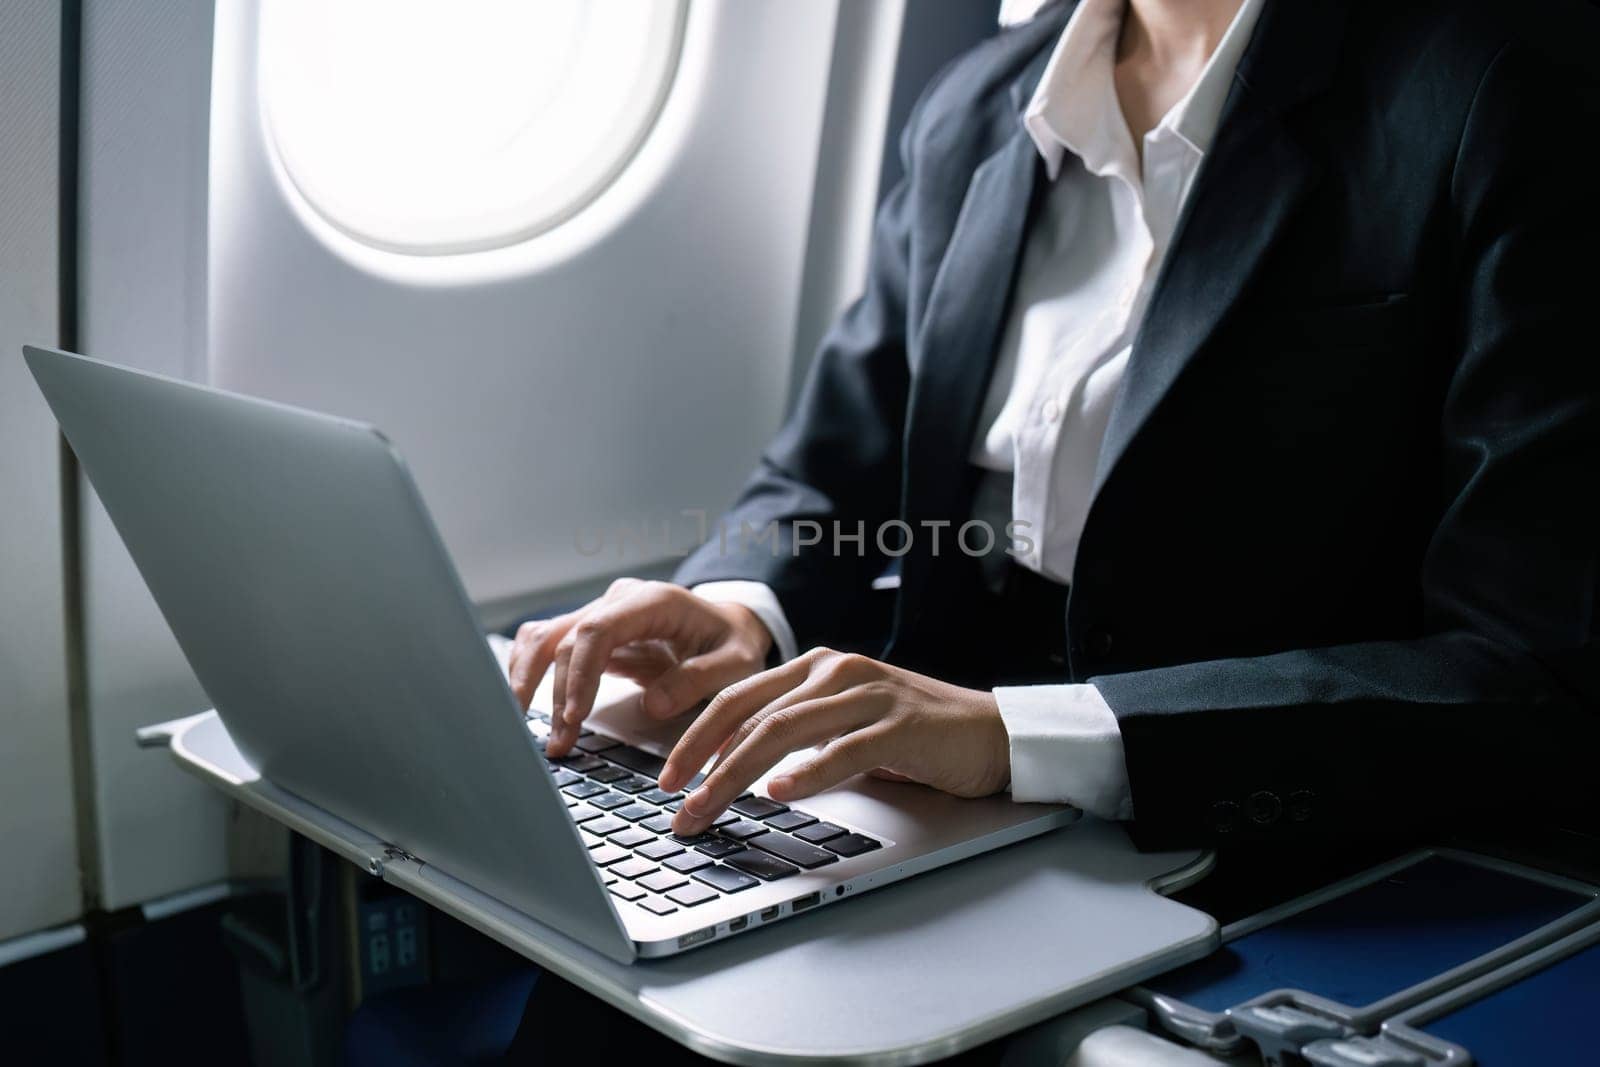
(994,742)
(750,631)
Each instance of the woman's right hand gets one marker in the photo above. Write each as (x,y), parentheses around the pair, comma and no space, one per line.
(681,648)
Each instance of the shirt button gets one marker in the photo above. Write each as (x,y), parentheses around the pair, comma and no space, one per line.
(1265,807)
(1052,411)
(1301,804)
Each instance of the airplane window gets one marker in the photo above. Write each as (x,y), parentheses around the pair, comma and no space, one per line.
(431,128)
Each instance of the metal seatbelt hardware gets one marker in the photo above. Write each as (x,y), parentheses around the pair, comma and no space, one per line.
(1280,1031)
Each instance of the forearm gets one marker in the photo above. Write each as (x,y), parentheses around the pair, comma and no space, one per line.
(1373,739)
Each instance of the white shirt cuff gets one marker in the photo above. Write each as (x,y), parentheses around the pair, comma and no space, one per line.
(763,602)
(1066,748)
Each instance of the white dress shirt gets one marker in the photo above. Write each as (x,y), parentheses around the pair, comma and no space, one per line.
(1085,277)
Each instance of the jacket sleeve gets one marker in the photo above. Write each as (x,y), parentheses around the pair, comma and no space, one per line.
(1492,708)
(835,466)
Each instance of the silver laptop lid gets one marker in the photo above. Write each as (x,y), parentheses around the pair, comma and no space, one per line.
(307,586)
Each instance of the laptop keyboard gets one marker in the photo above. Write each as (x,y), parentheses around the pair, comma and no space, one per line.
(626,821)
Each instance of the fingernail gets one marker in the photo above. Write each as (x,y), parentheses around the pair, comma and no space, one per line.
(780,783)
(695,803)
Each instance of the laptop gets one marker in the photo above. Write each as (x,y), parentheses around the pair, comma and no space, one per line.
(303,577)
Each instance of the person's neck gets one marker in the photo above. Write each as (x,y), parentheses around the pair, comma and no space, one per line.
(1174,32)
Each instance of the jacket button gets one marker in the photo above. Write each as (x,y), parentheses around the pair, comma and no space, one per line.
(1097,642)
(1224,815)
(1265,806)
(1301,803)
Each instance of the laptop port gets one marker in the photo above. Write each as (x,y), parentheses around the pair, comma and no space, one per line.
(768,914)
(807,901)
(697,937)
(738,924)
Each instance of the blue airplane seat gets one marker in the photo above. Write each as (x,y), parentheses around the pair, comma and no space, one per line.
(439,1026)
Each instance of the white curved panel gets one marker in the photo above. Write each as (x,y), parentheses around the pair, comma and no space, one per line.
(40,885)
(621,368)
(141,300)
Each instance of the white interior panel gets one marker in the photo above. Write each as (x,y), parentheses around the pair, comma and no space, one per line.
(621,367)
(145,85)
(616,370)
(37,830)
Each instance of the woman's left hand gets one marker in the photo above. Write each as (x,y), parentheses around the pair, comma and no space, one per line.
(867,716)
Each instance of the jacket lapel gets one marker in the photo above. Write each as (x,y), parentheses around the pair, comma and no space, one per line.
(1252,181)
(966,308)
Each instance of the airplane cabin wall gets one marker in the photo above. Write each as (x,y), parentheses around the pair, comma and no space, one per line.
(701,277)
(687,278)
(145,85)
(40,886)
(611,373)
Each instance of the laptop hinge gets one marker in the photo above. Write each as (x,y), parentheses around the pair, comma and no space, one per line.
(375,864)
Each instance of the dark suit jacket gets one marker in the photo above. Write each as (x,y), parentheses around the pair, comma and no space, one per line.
(1339,575)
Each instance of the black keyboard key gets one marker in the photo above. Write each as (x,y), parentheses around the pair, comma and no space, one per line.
(691,894)
(637,759)
(658,824)
(563,777)
(583,813)
(636,811)
(659,850)
(673,805)
(819,832)
(742,830)
(767,868)
(725,818)
(662,881)
(725,878)
(657,905)
(607,801)
(632,837)
(604,826)
(686,862)
(627,890)
(659,796)
(758,807)
(607,773)
(717,847)
(851,844)
(596,743)
(569,802)
(582,789)
(581,762)
(797,852)
(694,783)
(633,868)
(789,820)
(633,784)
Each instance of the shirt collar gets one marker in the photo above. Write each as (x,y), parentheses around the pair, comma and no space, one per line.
(1075,106)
